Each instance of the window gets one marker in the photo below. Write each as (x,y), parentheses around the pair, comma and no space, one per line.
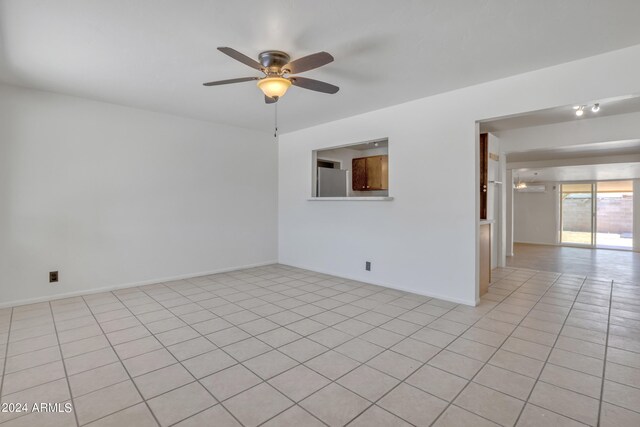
(358,170)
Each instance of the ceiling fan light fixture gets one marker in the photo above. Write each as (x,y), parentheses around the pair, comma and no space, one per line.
(274,87)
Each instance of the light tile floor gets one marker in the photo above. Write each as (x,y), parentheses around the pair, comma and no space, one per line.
(280,346)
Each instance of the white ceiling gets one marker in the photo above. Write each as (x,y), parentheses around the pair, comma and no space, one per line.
(601,172)
(610,148)
(155,54)
(608,107)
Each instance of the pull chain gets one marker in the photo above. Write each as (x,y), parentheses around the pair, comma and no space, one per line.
(275,132)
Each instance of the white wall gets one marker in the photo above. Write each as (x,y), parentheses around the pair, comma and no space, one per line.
(426,239)
(536,216)
(111,196)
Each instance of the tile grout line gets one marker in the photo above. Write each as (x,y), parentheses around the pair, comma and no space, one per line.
(549,355)
(177,361)
(374,356)
(262,381)
(400,314)
(606,348)
(280,326)
(374,403)
(452,309)
(126,307)
(306,336)
(66,375)
(152,334)
(359,363)
(389,349)
(250,295)
(327,327)
(325,310)
(353,337)
(439,351)
(217,348)
(498,348)
(308,317)
(123,367)
(6,353)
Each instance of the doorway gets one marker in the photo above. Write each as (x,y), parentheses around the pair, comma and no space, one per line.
(597,214)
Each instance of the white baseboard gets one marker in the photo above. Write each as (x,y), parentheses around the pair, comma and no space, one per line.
(129,285)
(472,303)
(568,245)
(537,243)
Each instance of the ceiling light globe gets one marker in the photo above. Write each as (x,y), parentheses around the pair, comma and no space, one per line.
(595,108)
(579,112)
(274,86)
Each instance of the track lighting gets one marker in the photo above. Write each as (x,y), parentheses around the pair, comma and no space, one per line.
(579,109)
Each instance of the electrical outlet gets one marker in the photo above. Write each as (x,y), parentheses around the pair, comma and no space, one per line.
(367,266)
(53,276)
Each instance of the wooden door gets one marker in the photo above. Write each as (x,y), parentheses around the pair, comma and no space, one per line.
(484,174)
(359,174)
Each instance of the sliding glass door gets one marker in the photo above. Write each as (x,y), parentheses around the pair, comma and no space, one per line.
(614,214)
(577,214)
(597,214)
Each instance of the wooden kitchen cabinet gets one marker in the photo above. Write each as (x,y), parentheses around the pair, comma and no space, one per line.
(370,173)
(359,174)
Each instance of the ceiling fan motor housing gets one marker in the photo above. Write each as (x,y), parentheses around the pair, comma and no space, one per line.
(273,60)
(278,69)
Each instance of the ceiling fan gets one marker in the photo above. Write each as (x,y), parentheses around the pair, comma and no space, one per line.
(278,69)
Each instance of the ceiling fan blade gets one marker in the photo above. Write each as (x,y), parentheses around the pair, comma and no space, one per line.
(241,57)
(269,100)
(312,84)
(309,62)
(229,81)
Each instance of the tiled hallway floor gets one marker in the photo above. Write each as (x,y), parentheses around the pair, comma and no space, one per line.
(593,262)
(279,346)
